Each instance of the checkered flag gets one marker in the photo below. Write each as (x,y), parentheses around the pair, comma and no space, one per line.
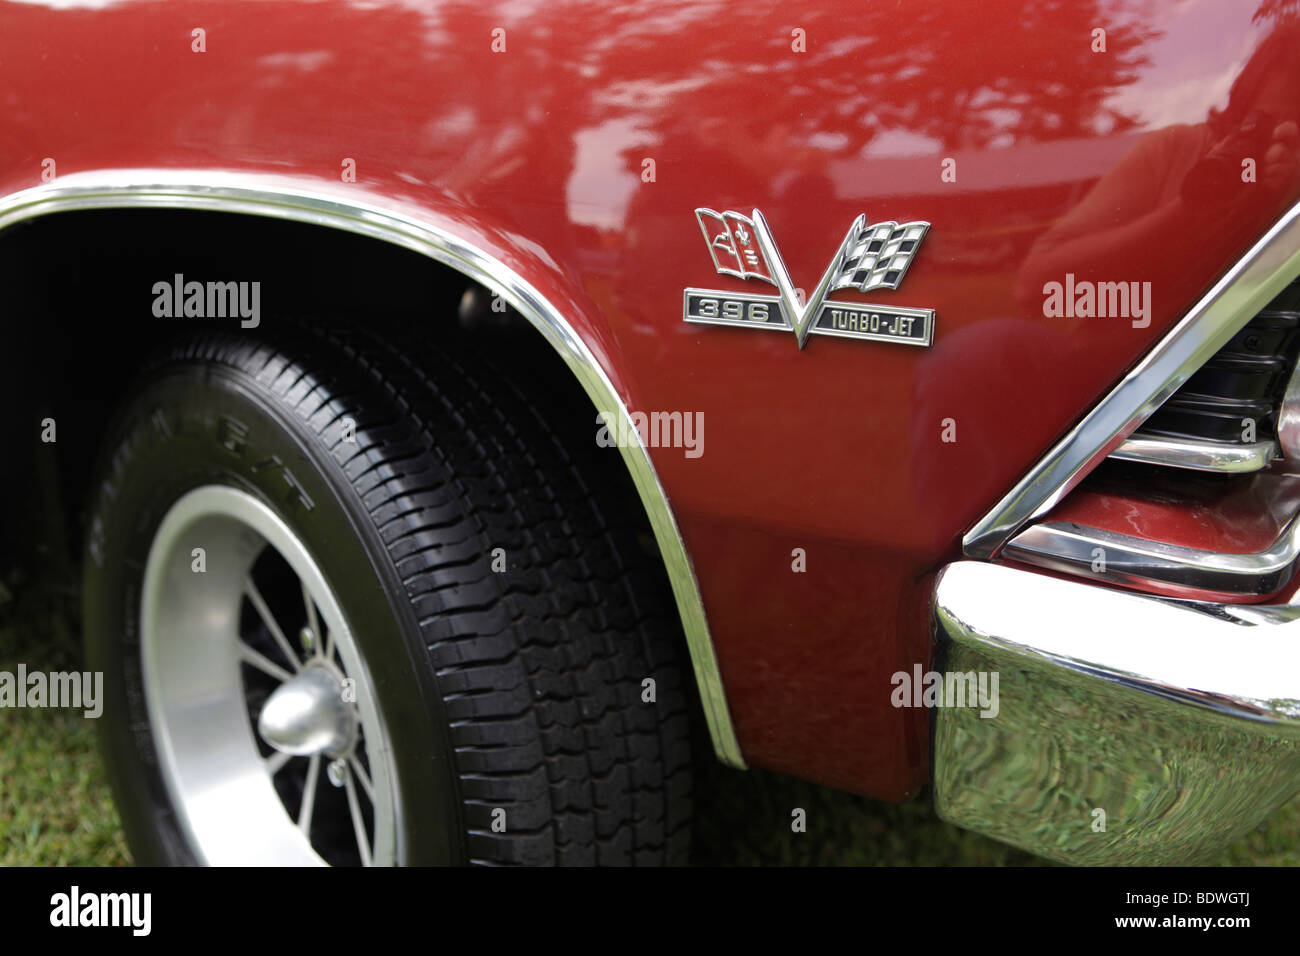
(877,257)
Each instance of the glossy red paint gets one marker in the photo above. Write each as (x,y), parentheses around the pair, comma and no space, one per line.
(1240,516)
(1066,161)
(1243,515)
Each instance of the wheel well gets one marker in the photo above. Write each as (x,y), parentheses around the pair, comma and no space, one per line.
(77,280)
(79,286)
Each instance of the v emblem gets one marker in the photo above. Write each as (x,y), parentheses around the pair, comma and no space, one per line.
(801,313)
(870,257)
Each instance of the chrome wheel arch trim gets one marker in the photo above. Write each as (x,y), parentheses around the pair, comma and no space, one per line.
(1269,265)
(315,204)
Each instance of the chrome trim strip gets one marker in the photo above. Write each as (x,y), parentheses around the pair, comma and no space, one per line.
(1080,550)
(1197,455)
(769,300)
(1288,420)
(287,198)
(1178,720)
(1247,287)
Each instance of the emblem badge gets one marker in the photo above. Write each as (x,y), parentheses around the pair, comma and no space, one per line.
(870,257)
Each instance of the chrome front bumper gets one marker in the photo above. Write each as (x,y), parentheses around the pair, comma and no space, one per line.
(1179,721)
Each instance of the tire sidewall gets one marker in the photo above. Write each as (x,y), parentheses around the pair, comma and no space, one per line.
(206,424)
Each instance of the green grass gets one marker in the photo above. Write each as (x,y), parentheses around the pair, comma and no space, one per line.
(55,805)
(743,818)
(56,809)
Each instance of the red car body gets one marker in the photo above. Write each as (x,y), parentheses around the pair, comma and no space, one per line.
(576,155)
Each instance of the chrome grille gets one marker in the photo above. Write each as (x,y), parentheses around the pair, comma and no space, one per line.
(1206,425)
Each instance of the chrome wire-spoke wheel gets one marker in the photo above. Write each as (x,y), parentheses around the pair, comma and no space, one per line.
(271,746)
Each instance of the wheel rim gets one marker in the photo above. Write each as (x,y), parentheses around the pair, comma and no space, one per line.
(269,754)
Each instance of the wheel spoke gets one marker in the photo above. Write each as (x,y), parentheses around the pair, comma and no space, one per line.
(362,778)
(309,796)
(269,620)
(312,623)
(272,684)
(263,663)
(358,821)
(276,762)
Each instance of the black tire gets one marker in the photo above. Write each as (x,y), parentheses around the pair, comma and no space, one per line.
(520,690)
